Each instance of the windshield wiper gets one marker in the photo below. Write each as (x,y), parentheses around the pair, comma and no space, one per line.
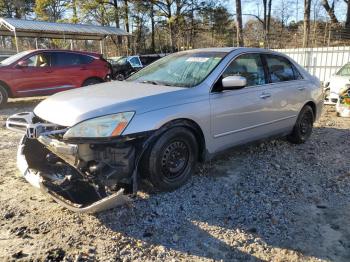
(151,82)
(155,83)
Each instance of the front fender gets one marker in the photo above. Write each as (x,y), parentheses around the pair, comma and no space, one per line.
(198,112)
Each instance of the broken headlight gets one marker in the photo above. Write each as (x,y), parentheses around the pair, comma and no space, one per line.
(105,126)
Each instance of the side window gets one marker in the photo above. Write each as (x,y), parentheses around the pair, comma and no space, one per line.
(250,66)
(38,60)
(280,69)
(85,59)
(66,59)
(135,62)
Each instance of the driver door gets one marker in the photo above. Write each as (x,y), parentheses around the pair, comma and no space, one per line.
(242,115)
(35,75)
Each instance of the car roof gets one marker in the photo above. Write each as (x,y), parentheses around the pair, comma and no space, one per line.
(214,49)
(66,51)
(231,49)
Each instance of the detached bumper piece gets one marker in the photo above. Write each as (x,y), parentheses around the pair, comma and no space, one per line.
(63,182)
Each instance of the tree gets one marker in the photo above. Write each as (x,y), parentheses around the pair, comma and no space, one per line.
(239,23)
(96,11)
(330,10)
(16,9)
(307,11)
(152,14)
(269,17)
(165,9)
(126,15)
(267,4)
(284,11)
(51,10)
(347,22)
(115,5)
(74,18)
(139,15)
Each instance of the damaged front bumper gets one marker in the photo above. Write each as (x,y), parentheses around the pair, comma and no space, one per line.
(84,178)
(36,179)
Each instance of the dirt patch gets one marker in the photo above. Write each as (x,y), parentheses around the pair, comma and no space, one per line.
(273,201)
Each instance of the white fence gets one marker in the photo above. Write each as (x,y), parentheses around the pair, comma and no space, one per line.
(322,61)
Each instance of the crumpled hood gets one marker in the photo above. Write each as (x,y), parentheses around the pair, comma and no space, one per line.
(71,107)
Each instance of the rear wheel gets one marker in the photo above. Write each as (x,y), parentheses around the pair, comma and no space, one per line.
(172,159)
(91,81)
(3,96)
(120,77)
(303,127)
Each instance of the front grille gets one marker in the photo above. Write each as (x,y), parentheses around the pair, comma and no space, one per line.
(32,125)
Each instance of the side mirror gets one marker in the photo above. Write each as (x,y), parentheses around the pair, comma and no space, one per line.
(233,82)
(22,63)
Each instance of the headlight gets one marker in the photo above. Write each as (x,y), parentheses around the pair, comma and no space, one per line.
(105,126)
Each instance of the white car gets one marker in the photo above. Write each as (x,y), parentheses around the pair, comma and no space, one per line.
(338,81)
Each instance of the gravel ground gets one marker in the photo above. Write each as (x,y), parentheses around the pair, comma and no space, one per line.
(272,202)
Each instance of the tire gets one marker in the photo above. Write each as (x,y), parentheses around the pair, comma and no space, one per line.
(3,96)
(303,127)
(120,77)
(91,81)
(171,160)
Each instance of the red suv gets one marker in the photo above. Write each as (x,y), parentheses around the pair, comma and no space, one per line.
(45,72)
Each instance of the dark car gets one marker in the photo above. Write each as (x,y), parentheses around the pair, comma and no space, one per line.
(149,59)
(124,66)
(45,72)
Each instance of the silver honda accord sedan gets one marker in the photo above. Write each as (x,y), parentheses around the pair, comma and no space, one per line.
(89,148)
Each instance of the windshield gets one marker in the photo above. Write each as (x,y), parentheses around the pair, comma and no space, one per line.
(185,69)
(14,58)
(344,71)
(121,61)
(114,60)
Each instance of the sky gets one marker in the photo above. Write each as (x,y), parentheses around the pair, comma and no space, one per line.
(296,14)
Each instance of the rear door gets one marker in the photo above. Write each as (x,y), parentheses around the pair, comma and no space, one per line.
(290,88)
(70,69)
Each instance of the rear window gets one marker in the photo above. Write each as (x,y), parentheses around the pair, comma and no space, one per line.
(69,59)
(281,70)
(135,62)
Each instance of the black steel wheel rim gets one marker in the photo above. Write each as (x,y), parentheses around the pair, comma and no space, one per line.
(306,124)
(174,160)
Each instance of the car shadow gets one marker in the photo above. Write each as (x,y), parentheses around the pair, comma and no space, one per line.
(275,203)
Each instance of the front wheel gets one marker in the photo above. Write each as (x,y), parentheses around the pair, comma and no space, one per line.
(172,159)
(303,127)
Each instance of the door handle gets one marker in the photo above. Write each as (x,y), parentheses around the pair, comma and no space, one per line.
(265,95)
(83,68)
(49,72)
(301,88)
